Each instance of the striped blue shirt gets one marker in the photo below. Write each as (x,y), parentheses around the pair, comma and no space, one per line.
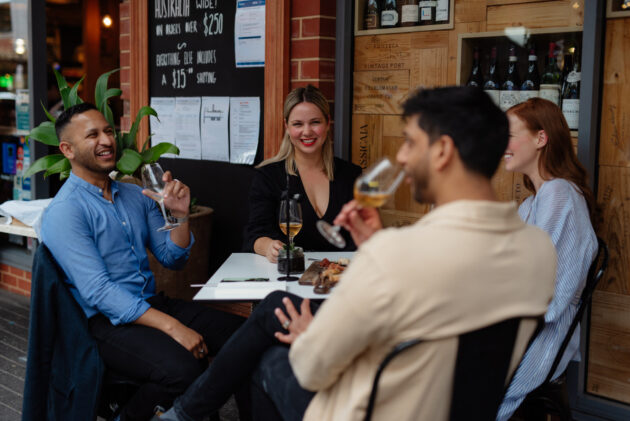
(560,210)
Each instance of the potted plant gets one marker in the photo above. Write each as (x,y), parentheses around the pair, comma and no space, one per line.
(129,157)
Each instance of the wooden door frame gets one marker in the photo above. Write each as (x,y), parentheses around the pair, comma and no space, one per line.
(277,67)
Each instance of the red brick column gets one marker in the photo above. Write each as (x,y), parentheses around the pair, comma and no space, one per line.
(125,64)
(313,45)
(15,280)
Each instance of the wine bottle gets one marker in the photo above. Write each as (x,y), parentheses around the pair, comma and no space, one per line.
(491,84)
(531,84)
(427,12)
(441,11)
(475,78)
(509,94)
(389,14)
(550,79)
(409,13)
(372,15)
(571,93)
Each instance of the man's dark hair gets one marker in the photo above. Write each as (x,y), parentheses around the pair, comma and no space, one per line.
(477,126)
(64,119)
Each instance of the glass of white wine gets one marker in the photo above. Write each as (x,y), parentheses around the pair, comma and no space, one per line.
(152,180)
(371,190)
(294,221)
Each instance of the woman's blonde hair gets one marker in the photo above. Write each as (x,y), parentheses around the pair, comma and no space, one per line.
(286,152)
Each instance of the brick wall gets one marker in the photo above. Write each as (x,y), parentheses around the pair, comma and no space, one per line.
(313,45)
(125,63)
(15,280)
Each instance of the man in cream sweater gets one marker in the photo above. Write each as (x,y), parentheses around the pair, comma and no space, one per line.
(470,263)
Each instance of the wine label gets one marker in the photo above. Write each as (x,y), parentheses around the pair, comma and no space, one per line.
(571,111)
(512,59)
(574,76)
(532,58)
(409,13)
(441,11)
(550,92)
(371,22)
(525,95)
(494,95)
(389,18)
(508,99)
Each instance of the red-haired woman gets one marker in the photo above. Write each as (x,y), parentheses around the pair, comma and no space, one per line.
(563,205)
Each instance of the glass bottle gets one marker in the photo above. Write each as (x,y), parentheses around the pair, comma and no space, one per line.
(571,93)
(409,12)
(372,15)
(509,94)
(389,14)
(427,12)
(491,83)
(550,79)
(475,78)
(531,84)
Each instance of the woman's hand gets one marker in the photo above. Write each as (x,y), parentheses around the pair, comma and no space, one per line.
(361,222)
(273,249)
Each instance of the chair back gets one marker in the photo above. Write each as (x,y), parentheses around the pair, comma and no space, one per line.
(481,370)
(595,274)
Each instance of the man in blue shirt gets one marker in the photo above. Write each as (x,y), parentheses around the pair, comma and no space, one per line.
(98,230)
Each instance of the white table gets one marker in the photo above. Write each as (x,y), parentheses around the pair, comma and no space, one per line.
(250,265)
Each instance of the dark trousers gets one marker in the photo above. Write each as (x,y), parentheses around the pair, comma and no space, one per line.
(253,343)
(163,367)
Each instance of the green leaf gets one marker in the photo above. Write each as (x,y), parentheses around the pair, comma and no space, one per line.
(43,163)
(144,111)
(62,166)
(73,95)
(119,144)
(112,92)
(50,117)
(109,115)
(45,133)
(61,81)
(100,89)
(145,145)
(64,174)
(64,90)
(153,154)
(129,162)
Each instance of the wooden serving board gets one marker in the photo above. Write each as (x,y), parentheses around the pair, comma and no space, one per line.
(311,274)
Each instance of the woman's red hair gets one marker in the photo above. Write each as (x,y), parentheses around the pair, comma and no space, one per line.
(557,157)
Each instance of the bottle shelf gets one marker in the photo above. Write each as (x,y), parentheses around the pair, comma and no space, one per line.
(359,9)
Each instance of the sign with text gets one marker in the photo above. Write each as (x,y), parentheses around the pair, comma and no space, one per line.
(380,92)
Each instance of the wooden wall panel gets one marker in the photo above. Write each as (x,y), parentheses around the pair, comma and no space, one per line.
(470,11)
(548,14)
(380,92)
(429,67)
(383,52)
(609,354)
(367,131)
(615,131)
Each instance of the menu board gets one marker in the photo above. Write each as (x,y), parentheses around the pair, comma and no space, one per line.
(192,46)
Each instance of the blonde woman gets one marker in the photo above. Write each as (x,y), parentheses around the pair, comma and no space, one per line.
(323,182)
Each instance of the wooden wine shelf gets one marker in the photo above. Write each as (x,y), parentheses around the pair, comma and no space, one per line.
(359,8)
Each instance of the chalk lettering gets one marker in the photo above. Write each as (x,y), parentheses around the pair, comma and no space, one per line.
(207,57)
(171,9)
(167,59)
(173,29)
(191,26)
(206,78)
(206,4)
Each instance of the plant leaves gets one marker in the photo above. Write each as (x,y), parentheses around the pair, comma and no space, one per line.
(145,146)
(45,133)
(64,174)
(153,154)
(61,81)
(100,89)
(60,167)
(112,92)
(142,112)
(50,117)
(73,95)
(64,90)
(43,163)
(129,161)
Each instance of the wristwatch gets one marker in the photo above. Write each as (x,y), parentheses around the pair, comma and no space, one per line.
(180,220)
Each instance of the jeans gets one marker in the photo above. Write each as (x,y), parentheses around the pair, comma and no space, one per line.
(163,367)
(254,342)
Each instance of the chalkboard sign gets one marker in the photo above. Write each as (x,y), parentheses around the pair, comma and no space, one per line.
(191,51)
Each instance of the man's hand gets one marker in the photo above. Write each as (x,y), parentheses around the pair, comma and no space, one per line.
(176,196)
(361,222)
(189,339)
(295,323)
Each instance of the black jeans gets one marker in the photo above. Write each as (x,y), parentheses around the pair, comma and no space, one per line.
(163,367)
(238,360)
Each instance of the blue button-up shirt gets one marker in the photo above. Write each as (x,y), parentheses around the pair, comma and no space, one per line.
(101,246)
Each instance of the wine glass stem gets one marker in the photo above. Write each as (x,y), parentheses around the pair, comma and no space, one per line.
(166,221)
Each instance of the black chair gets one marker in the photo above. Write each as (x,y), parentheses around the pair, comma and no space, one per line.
(481,370)
(551,396)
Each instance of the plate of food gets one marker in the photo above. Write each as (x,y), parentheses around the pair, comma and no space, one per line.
(324,274)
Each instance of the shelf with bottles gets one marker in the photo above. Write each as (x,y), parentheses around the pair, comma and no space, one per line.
(433,16)
(518,49)
(617,8)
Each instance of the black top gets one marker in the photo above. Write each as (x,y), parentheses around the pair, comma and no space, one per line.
(264,206)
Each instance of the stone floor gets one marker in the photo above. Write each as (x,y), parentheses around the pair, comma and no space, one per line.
(13,346)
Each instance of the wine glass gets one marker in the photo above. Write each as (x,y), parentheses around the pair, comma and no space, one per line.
(371,190)
(152,180)
(294,221)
